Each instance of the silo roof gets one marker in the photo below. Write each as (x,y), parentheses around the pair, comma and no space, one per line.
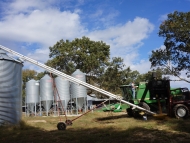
(32,80)
(46,76)
(78,72)
(4,56)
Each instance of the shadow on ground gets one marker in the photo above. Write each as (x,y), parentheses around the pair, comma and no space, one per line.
(111,117)
(180,125)
(29,134)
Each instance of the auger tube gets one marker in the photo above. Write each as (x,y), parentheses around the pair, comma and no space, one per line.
(72,79)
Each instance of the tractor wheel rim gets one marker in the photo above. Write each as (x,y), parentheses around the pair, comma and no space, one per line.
(181,112)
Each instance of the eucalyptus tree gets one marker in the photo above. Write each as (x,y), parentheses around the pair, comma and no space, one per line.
(84,54)
(148,76)
(115,75)
(175,57)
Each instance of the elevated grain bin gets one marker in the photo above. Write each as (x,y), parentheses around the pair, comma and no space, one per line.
(78,92)
(63,95)
(32,95)
(10,89)
(46,92)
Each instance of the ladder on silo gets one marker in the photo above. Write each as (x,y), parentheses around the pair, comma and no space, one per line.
(72,79)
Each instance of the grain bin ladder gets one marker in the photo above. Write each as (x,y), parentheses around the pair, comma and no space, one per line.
(72,79)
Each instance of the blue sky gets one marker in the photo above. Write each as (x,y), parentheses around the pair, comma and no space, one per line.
(130,27)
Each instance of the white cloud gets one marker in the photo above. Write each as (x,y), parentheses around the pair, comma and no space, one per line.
(163,17)
(162,47)
(43,23)
(45,27)
(37,22)
(20,6)
(143,66)
(125,40)
(101,17)
(124,37)
(176,84)
(96,14)
(129,58)
(28,65)
(39,54)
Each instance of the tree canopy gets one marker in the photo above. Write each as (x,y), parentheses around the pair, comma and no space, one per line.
(84,54)
(112,77)
(117,74)
(175,57)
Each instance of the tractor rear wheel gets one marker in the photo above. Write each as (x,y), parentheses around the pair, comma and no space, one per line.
(181,111)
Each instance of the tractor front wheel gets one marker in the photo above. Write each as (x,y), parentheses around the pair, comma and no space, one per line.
(145,106)
(181,111)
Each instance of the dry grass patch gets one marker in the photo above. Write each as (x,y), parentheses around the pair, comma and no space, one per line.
(98,127)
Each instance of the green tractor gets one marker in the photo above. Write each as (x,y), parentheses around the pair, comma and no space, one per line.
(157,96)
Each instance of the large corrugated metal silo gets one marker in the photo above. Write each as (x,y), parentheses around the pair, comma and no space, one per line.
(32,95)
(10,89)
(63,86)
(79,92)
(46,92)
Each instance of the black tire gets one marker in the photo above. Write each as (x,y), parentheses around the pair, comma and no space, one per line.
(131,101)
(136,114)
(181,111)
(61,126)
(145,106)
(129,112)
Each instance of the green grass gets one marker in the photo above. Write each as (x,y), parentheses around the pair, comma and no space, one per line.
(98,127)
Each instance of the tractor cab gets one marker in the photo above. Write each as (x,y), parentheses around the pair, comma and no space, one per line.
(142,93)
(180,95)
(126,92)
